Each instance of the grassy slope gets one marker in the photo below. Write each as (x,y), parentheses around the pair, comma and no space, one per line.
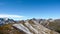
(7,29)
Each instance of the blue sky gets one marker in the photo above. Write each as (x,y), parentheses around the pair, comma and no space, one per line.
(30,8)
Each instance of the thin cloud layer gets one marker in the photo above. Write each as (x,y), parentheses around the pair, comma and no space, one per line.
(9,16)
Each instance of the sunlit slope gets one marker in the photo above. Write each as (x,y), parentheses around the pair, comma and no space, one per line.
(8,29)
(32,27)
(53,24)
(26,27)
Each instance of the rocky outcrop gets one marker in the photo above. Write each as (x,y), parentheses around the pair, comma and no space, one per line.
(33,28)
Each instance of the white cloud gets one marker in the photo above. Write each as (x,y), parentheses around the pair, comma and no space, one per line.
(10,16)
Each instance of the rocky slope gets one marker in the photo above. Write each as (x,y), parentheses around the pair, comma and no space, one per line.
(33,28)
(51,24)
(30,26)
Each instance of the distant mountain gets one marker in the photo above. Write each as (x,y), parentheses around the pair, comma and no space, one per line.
(6,21)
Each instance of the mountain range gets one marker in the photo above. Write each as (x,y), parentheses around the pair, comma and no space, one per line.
(30,26)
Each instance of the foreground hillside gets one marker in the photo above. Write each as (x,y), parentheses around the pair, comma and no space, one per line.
(8,29)
(25,27)
(30,26)
(53,24)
